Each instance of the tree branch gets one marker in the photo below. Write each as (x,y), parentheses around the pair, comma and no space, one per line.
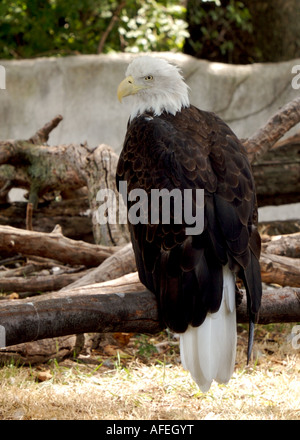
(67,168)
(121,305)
(37,284)
(53,245)
(42,135)
(276,127)
(280,270)
(115,266)
(109,28)
(287,245)
(276,173)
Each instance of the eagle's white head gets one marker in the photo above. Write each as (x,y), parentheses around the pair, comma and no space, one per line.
(155,85)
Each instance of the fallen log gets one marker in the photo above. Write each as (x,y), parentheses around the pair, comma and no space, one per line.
(120,305)
(287,245)
(276,227)
(275,128)
(53,245)
(72,216)
(38,283)
(281,270)
(276,173)
(115,266)
(278,269)
(43,350)
(63,168)
(66,168)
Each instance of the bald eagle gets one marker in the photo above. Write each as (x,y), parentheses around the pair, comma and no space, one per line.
(170,144)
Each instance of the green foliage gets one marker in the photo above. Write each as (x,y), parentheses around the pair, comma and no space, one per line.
(220,30)
(144,346)
(157,25)
(30,28)
(217,30)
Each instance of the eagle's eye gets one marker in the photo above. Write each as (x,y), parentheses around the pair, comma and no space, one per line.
(148,78)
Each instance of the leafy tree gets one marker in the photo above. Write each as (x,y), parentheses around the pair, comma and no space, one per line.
(30,28)
(157,25)
(243,31)
(232,31)
(221,30)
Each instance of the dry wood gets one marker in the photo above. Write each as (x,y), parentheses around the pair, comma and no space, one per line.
(96,308)
(124,304)
(29,211)
(276,173)
(72,215)
(276,127)
(38,283)
(278,305)
(42,351)
(101,176)
(54,245)
(62,168)
(281,270)
(70,167)
(43,168)
(42,135)
(67,168)
(119,305)
(275,269)
(287,245)
(29,268)
(115,266)
(276,227)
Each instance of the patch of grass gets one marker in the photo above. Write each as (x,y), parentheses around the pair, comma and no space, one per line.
(145,346)
(153,385)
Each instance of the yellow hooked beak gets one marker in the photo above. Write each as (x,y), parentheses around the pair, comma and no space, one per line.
(128,87)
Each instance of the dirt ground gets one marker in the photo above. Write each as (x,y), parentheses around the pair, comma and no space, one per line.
(139,377)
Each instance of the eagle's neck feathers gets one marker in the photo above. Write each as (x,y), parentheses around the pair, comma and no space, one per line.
(163,101)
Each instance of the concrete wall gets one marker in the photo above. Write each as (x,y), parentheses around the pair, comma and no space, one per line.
(83,90)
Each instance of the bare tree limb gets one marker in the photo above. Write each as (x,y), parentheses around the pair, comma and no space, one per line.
(121,305)
(53,245)
(71,214)
(115,266)
(29,212)
(109,28)
(66,168)
(33,266)
(42,135)
(276,173)
(41,167)
(287,245)
(280,270)
(38,283)
(279,124)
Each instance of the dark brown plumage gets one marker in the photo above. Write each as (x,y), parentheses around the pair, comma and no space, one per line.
(193,149)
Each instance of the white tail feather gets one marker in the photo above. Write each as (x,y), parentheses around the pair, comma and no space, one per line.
(209,351)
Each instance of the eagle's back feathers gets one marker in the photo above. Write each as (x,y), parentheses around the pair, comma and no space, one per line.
(194,150)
